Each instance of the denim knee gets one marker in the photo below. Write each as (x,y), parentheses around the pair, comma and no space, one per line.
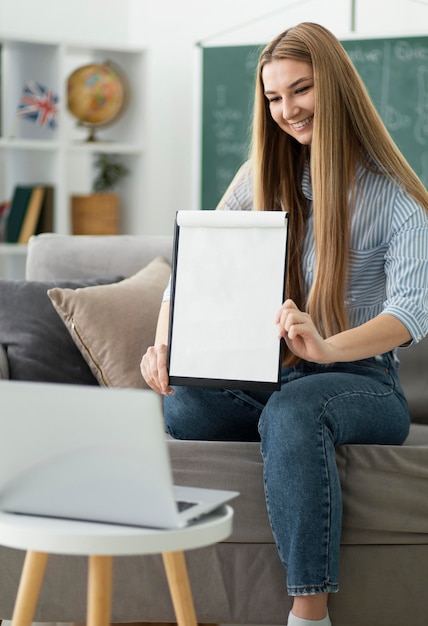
(180,414)
(211,414)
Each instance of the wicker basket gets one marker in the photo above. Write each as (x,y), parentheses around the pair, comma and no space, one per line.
(95,214)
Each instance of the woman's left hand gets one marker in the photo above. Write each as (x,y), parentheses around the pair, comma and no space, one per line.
(299,333)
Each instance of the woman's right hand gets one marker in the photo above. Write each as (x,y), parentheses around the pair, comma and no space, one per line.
(154,371)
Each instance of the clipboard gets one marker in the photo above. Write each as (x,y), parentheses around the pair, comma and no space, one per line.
(227,284)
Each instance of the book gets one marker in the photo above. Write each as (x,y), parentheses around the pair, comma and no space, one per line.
(46,219)
(32,215)
(18,209)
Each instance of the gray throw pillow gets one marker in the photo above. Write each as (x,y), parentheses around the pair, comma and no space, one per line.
(38,345)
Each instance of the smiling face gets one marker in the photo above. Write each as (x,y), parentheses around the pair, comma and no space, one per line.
(289,88)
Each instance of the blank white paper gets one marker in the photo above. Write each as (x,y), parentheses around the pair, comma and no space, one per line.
(227,288)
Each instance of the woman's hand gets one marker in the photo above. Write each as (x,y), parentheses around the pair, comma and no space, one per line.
(299,333)
(377,336)
(154,371)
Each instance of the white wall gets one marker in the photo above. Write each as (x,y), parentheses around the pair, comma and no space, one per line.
(98,21)
(170,29)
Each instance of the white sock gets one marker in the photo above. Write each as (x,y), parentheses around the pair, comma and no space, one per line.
(299,621)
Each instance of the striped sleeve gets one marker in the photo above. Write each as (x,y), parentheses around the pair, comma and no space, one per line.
(406,267)
(239,194)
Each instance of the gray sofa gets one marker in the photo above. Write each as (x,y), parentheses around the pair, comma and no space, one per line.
(384,555)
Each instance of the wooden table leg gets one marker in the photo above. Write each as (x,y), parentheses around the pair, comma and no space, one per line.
(99,590)
(29,588)
(179,586)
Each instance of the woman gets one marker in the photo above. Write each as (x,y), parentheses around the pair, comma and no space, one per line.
(356,290)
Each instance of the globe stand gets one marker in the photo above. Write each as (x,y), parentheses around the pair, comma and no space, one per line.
(91,137)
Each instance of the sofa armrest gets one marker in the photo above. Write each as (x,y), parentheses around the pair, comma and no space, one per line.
(4,365)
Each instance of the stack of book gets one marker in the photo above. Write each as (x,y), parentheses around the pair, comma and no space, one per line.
(30,212)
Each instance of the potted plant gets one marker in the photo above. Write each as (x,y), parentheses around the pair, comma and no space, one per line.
(97,213)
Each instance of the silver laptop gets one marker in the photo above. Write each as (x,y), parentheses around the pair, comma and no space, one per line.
(92,453)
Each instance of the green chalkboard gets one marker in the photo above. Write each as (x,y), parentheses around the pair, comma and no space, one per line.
(395,72)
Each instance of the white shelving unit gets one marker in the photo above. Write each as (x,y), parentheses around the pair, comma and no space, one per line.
(31,154)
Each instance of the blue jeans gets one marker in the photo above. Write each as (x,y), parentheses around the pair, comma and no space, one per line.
(318,408)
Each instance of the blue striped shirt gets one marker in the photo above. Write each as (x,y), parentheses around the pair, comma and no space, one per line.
(388,270)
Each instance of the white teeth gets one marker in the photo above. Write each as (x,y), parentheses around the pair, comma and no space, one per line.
(301,124)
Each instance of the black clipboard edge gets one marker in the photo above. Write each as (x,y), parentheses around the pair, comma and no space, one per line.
(173,282)
(219,383)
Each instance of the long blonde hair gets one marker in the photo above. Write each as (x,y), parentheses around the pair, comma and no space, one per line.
(346,129)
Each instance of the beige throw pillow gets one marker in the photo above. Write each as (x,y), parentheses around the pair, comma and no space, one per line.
(112,325)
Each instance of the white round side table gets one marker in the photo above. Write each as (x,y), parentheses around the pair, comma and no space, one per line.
(41,536)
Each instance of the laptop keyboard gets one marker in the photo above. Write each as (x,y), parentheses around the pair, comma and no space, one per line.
(183,506)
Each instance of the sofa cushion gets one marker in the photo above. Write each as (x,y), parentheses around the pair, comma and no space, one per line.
(38,346)
(384,487)
(85,256)
(112,325)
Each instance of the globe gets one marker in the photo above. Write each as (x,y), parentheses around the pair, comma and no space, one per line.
(96,95)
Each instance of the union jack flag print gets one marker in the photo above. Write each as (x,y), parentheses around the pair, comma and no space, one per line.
(38,104)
